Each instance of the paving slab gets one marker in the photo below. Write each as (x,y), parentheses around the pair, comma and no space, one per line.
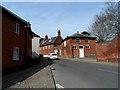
(37,76)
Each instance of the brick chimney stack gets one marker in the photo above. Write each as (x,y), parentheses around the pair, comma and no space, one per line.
(46,37)
(59,33)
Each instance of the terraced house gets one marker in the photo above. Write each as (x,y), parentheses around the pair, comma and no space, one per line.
(78,45)
(51,45)
(16,40)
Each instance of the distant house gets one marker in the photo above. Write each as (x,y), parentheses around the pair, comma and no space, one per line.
(51,45)
(35,45)
(78,45)
(16,40)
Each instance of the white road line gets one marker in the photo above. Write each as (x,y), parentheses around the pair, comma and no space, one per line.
(107,71)
(59,86)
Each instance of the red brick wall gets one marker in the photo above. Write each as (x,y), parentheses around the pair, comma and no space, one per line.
(29,44)
(46,51)
(68,52)
(10,40)
(58,41)
(108,51)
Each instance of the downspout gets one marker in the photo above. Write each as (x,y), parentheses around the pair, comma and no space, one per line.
(26,44)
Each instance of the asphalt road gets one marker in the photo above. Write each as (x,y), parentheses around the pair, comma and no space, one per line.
(74,74)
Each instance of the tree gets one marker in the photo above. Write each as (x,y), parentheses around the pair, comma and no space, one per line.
(105,25)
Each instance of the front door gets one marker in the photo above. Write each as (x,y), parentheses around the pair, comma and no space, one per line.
(81,51)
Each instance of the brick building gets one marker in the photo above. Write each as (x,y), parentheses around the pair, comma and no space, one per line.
(78,45)
(51,45)
(16,40)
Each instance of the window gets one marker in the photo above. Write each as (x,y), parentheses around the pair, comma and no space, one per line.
(60,53)
(17,28)
(15,53)
(48,46)
(87,46)
(87,40)
(64,43)
(81,47)
(74,47)
(77,39)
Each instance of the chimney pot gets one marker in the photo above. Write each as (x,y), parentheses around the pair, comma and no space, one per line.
(59,33)
(46,37)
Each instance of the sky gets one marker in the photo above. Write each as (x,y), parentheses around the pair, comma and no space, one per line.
(47,18)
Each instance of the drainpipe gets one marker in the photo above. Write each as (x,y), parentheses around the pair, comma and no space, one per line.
(26,44)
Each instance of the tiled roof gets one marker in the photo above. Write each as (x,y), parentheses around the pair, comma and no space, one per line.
(48,41)
(77,35)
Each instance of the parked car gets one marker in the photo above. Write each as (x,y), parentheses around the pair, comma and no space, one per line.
(52,56)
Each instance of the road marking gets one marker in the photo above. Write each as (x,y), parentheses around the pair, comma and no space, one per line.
(59,86)
(107,71)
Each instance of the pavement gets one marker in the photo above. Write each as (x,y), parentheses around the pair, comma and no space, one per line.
(37,76)
(91,60)
(82,74)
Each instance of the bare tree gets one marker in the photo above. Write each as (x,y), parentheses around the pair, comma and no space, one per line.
(105,25)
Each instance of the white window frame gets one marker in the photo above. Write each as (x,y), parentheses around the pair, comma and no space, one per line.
(48,46)
(65,43)
(16,53)
(87,46)
(77,41)
(74,47)
(45,47)
(17,28)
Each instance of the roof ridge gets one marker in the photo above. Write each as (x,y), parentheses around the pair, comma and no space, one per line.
(15,15)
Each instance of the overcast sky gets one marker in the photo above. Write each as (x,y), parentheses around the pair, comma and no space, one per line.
(46,18)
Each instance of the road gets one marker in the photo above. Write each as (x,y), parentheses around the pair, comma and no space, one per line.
(74,74)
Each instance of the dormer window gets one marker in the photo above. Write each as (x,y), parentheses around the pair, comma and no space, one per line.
(77,40)
(50,40)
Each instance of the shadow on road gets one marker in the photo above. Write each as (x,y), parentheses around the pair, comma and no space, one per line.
(24,73)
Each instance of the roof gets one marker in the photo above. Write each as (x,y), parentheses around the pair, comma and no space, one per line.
(77,35)
(48,41)
(35,35)
(6,11)
(14,15)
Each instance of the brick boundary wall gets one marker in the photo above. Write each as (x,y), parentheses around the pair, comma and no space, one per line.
(108,51)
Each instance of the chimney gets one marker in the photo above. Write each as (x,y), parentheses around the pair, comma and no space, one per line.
(77,32)
(46,37)
(59,33)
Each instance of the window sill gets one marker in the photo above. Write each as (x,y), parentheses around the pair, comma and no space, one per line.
(17,59)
